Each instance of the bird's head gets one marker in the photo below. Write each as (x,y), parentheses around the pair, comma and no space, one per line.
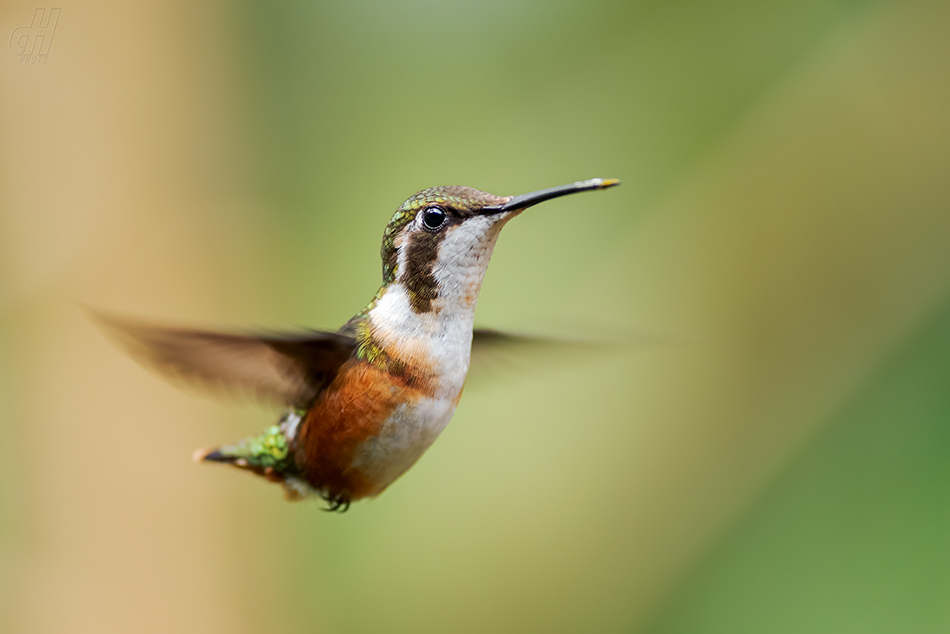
(438,243)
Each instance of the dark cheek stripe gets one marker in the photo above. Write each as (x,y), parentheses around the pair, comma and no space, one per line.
(421,254)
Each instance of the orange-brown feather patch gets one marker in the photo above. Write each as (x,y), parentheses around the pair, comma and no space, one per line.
(351,410)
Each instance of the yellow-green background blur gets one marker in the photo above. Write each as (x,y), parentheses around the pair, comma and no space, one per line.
(768,452)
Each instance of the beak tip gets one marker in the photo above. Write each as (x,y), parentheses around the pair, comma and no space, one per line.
(527,200)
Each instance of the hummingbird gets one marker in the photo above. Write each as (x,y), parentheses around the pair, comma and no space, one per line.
(363,403)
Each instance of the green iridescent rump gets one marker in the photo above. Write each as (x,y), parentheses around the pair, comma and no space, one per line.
(269,449)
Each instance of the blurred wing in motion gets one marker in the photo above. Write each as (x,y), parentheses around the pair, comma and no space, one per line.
(493,351)
(290,369)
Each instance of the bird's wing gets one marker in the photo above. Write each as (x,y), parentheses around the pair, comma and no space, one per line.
(487,340)
(493,350)
(289,368)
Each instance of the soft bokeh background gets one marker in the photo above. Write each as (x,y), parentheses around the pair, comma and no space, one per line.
(772,452)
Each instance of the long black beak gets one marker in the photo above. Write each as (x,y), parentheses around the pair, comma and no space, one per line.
(527,200)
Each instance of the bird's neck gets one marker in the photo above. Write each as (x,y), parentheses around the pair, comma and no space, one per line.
(431,348)
(420,321)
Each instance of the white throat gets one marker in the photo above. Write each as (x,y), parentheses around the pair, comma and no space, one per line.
(440,339)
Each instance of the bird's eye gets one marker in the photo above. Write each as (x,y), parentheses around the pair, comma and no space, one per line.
(433,218)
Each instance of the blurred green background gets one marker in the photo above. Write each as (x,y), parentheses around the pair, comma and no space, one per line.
(770,453)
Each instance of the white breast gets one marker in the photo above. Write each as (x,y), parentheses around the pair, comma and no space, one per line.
(404,437)
(439,340)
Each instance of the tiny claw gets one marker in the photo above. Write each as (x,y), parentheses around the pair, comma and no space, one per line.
(337,505)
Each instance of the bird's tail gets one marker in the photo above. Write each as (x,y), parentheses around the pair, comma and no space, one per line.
(267,454)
